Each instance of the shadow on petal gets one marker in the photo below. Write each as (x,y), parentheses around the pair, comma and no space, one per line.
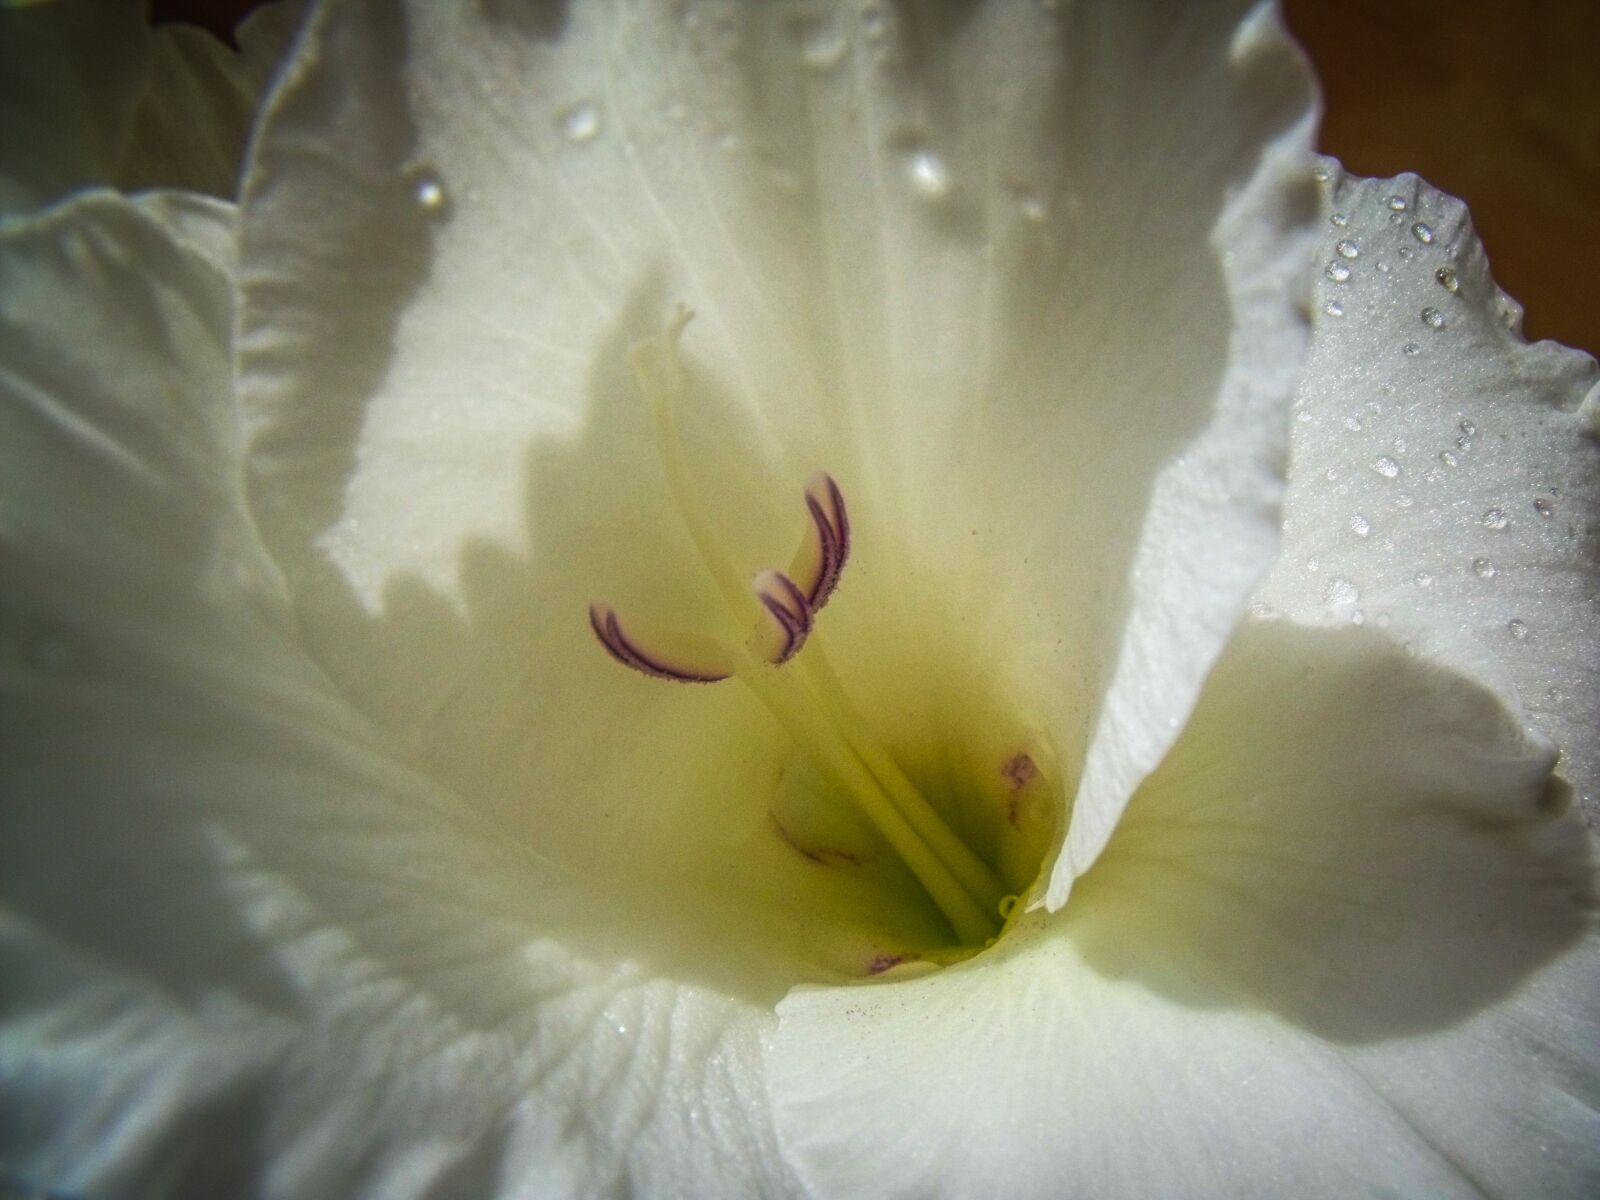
(1365,843)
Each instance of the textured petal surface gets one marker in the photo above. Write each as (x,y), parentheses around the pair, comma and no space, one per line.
(1026,313)
(201,99)
(1338,946)
(70,76)
(91,96)
(246,952)
(1446,474)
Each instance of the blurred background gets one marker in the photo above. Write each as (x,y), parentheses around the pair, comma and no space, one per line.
(1495,102)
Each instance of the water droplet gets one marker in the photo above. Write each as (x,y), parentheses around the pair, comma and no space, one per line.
(1337,271)
(1543,507)
(930,178)
(1517,628)
(1339,592)
(1433,318)
(1321,173)
(1347,249)
(1495,518)
(1383,267)
(580,123)
(1386,466)
(1360,525)
(1463,443)
(1032,207)
(427,188)
(1353,424)
(1422,232)
(1333,308)
(1358,617)
(1447,279)
(1468,429)
(1404,500)
(1410,348)
(822,44)
(1423,579)
(1339,220)
(1313,564)
(1397,203)
(1449,459)
(1483,568)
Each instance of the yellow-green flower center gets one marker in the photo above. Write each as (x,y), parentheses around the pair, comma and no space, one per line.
(971,846)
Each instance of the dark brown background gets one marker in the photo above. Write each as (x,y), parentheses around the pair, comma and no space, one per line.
(1494,101)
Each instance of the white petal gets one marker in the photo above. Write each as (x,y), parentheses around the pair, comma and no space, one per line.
(253,954)
(200,102)
(1447,477)
(70,76)
(958,262)
(1336,947)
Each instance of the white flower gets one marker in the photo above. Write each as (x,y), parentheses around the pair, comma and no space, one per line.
(339,860)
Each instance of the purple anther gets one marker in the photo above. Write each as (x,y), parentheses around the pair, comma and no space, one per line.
(627,651)
(788,606)
(825,503)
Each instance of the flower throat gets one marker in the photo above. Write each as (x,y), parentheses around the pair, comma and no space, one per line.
(802,691)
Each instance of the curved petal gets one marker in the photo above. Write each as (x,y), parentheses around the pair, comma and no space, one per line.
(1340,944)
(70,76)
(247,951)
(999,312)
(1446,473)
(201,100)
(91,96)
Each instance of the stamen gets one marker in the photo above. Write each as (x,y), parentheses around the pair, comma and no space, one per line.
(631,653)
(779,639)
(820,560)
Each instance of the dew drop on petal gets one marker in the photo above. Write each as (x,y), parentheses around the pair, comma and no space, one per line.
(1313,564)
(1358,617)
(1333,309)
(1483,568)
(1321,173)
(1433,318)
(1449,459)
(1423,579)
(1495,518)
(1386,466)
(1339,220)
(1347,249)
(1410,348)
(1337,271)
(1422,232)
(1032,207)
(1468,429)
(1447,279)
(427,188)
(929,176)
(822,44)
(1397,203)
(1339,592)
(1360,525)
(1517,628)
(1353,423)
(1543,507)
(580,123)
